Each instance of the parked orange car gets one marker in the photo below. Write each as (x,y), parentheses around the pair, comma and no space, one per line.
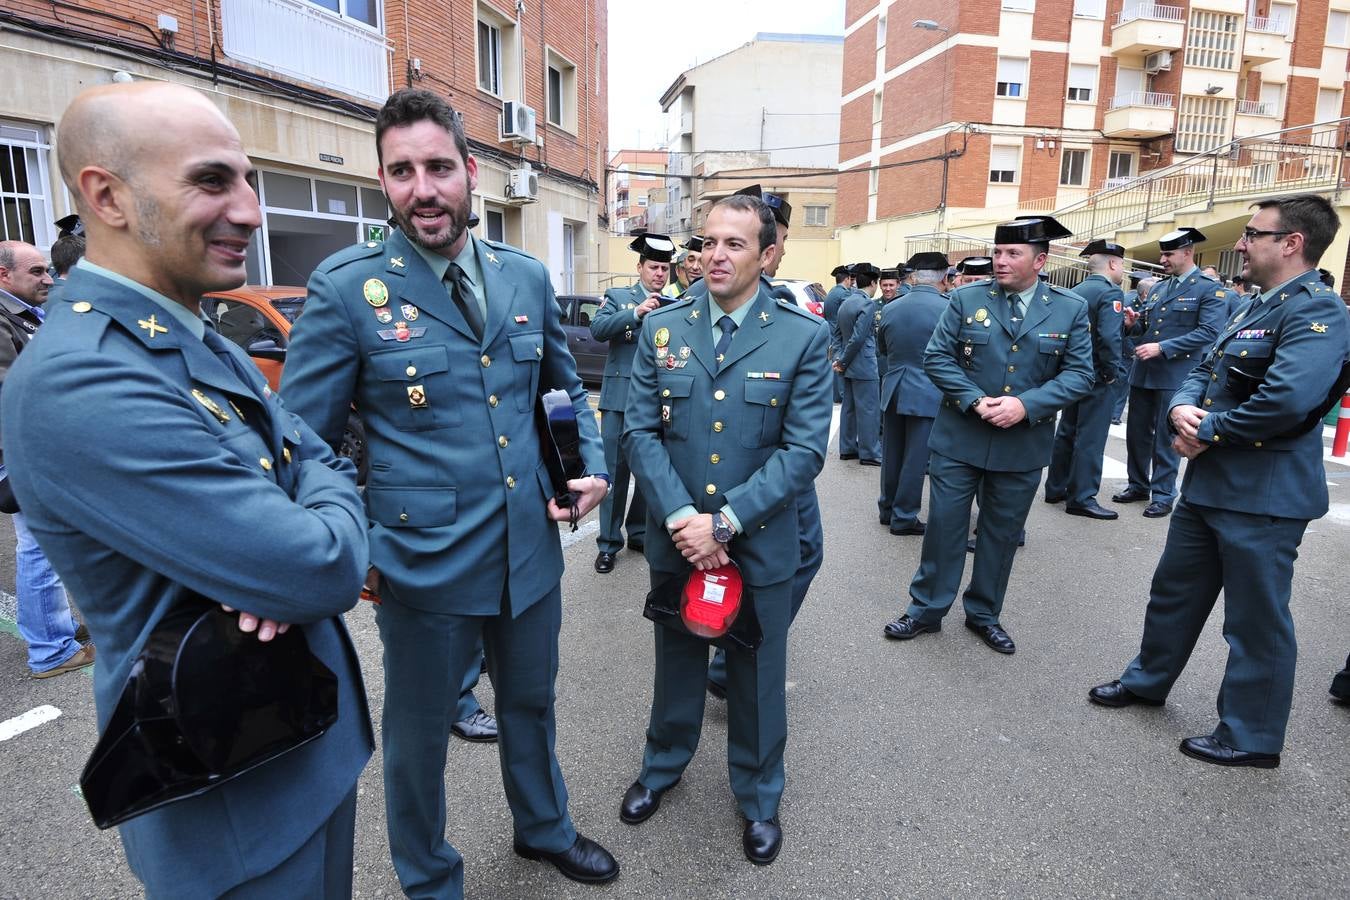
(259,318)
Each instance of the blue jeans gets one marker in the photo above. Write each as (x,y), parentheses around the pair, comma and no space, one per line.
(44,617)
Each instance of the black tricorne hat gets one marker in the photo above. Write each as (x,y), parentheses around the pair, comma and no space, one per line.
(656,247)
(976,265)
(1182,237)
(1101,246)
(1030,230)
(931,261)
(782,210)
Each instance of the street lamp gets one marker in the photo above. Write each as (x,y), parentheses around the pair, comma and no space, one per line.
(930,25)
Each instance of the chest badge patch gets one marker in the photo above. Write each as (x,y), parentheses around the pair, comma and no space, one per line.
(409,311)
(384,315)
(1319,328)
(522,320)
(981,314)
(375,292)
(662,337)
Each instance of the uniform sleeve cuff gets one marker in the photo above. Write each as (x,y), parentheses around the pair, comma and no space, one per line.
(731,517)
(683,512)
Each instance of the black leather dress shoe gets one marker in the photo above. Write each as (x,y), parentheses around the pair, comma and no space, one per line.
(479,728)
(1092,510)
(1129,496)
(762,841)
(636,546)
(585,861)
(1055,498)
(1211,750)
(1157,509)
(870,462)
(994,636)
(906,627)
(640,803)
(604,562)
(915,528)
(1116,694)
(848,456)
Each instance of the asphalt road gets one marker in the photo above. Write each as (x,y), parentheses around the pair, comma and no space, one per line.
(932,768)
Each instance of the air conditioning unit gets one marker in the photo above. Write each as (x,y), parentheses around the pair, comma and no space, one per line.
(517,122)
(522,185)
(1158,62)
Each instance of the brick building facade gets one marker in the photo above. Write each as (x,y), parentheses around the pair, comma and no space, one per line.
(302,81)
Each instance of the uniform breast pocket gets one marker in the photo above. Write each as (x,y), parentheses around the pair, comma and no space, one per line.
(527,353)
(674,392)
(1244,365)
(415,387)
(762,421)
(1185,313)
(1051,355)
(968,346)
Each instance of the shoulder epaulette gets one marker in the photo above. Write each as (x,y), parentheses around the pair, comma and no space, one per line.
(678,304)
(363,250)
(792,305)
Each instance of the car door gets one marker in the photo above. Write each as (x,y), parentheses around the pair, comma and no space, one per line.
(578,310)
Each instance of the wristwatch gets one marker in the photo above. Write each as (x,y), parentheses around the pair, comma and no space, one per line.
(609,483)
(722,530)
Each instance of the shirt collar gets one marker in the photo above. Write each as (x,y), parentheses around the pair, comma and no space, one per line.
(716,313)
(466,259)
(192,323)
(1187,274)
(1275,291)
(35,310)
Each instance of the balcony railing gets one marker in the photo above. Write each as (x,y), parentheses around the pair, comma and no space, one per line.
(1156,11)
(302,41)
(1268,25)
(1144,98)
(1256,108)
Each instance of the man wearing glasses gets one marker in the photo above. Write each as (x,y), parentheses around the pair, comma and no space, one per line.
(1248,420)
(1183,316)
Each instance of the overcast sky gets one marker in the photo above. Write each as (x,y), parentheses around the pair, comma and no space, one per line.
(651,44)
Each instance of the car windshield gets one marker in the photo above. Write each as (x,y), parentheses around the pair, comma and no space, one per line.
(290,307)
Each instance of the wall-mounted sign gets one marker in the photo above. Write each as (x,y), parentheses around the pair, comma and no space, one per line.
(330,158)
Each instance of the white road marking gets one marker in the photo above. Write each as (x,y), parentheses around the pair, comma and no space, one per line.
(834,425)
(29,720)
(586,530)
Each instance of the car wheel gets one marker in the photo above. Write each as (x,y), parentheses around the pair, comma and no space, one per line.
(354,447)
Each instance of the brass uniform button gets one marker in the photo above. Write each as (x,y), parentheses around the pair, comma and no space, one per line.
(286,453)
(1243,353)
(502,441)
(1213,377)
(510,481)
(1014,348)
(1217,438)
(403,517)
(715,458)
(773,401)
(717,426)
(485,360)
(1007,387)
(719,394)
(1012,368)
(82,307)
(666,392)
(265,463)
(1209,402)
(411,370)
(710,489)
(539,352)
(1257,444)
(492,400)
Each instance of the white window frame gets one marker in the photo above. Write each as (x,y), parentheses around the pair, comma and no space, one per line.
(1085,172)
(1216,111)
(1341,39)
(1000,80)
(881,31)
(361,219)
(1212,40)
(341,12)
(817,215)
(1015,171)
(489,78)
(1019,5)
(32,144)
(1080,84)
(1089,9)
(1134,164)
(567,88)
(507,54)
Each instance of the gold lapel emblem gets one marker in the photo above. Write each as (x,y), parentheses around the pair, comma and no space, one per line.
(981,314)
(693,314)
(221,415)
(492,258)
(396,262)
(662,337)
(1319,328)
(152,325)
(375,292)
(764,317)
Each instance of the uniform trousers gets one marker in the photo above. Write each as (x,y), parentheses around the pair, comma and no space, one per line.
(756,705)
(423,653)
(904,460)
(320,870)
(1150,461)
(612,519)
(1005,499)
(860,419)
(1075,471)
(811,540)
(1251,558)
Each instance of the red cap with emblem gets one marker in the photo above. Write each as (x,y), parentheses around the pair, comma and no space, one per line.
(711,600)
